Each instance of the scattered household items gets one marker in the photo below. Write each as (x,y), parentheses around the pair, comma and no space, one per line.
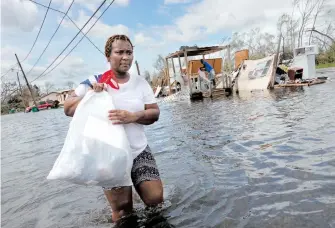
(246,75)
(301,70)
(294,76)
(157,91)
(255,74)
(295,73)
(260,74)
(95,152)
(198,84)
(304,57)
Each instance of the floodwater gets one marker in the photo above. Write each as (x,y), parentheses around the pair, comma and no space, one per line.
(262,160)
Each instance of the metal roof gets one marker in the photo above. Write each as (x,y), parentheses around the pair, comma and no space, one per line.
(194,51)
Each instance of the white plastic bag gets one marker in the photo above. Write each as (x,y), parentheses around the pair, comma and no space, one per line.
(95,151)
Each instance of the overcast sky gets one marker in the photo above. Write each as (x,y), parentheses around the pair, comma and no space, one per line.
(154,26)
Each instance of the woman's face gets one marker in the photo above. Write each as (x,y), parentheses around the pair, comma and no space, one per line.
(121,56)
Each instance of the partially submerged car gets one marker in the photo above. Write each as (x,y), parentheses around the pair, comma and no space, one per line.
(42,105)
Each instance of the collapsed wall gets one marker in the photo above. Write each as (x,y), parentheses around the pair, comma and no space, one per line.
(255,74)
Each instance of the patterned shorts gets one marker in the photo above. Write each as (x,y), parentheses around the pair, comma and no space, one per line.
(144,168)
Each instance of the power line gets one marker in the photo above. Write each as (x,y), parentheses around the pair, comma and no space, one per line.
(38,34)
(68,17)
(59,11)
(103,2)
(76,44)
(51,37)
(10,69)
(37,3)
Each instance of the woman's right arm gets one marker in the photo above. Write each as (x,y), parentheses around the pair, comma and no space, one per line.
(71,104)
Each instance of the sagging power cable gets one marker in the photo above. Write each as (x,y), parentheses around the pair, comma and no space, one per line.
(68,17)
(51,37)
(38,34)
(75,45)
(103,2)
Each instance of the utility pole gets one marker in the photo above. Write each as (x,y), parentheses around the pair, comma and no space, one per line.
(25,78)
(18,79)
(138,68)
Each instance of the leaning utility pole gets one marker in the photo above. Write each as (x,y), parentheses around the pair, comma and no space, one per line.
(138,68)
(24,75)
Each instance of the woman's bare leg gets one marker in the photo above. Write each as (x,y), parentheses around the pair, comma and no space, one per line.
(120,200)
(151,192)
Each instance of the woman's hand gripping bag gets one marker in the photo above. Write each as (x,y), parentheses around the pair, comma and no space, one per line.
(95,151)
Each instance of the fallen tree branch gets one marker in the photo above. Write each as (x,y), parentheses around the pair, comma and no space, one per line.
(324,42)
(321,33)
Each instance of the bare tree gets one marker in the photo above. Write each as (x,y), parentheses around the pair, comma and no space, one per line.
(326,38)
(70,84)
(309,12)
(154,80)
(159,65)
(319,7)
(8,89)
(288,27)
(48,87)
(147,76)
(26,96)
(322,34)
(259,44)
(306,8)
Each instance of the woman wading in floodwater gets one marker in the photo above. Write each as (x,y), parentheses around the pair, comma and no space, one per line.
(136,106)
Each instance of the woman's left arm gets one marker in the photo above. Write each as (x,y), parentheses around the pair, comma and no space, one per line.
(149,116)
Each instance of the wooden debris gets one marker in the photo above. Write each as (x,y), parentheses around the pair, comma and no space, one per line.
(315,82)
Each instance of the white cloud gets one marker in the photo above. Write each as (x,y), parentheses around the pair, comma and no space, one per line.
(147,43)
(100,29)
(218,16)
(8,60)
(141,39)
(8,55)
(73,69)
(18,15)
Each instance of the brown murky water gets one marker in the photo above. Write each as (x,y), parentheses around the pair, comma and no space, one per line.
(257,161)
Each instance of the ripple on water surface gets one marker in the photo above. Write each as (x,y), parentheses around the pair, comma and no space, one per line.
(266,160)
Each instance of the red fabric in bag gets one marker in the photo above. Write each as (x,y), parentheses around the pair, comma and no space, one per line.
(109,78)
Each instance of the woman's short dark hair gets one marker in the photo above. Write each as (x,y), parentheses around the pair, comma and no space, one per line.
(109,43)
